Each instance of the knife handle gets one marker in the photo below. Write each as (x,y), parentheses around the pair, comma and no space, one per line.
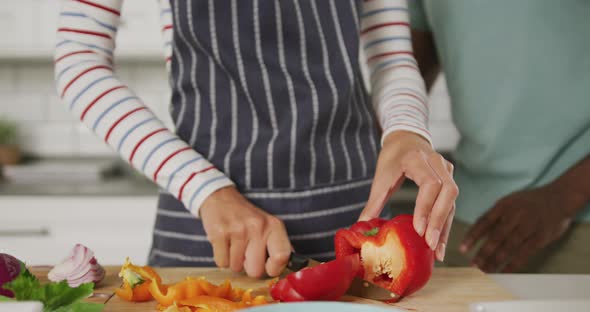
(297,262)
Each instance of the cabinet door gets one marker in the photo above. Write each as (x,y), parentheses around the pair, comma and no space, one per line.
(42,230)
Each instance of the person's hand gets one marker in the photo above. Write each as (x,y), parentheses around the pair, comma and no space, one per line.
(242,235)
(518,227)
(405,154)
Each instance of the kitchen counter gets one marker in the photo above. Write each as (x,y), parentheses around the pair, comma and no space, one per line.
(75,177)
(449,289)
(110,187)
(545,286)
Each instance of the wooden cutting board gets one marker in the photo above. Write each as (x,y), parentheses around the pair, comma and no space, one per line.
(449,289)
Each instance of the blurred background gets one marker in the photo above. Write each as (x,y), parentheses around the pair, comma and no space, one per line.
(60,184)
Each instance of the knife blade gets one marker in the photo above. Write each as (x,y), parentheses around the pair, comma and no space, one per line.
(358,287)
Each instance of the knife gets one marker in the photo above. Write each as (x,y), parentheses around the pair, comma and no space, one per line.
(358,287)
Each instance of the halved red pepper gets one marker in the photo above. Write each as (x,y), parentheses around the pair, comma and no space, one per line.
(327,281)
(393,255)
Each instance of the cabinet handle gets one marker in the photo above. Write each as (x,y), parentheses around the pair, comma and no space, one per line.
(42,232)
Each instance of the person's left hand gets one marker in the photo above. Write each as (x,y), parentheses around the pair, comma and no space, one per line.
(518,227)
(406,154)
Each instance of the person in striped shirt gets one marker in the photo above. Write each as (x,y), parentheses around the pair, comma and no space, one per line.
(276,143)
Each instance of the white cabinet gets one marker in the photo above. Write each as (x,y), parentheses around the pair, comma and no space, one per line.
(42,230)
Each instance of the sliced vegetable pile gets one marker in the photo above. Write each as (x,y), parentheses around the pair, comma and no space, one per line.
(56,297)
(78,268)
(392,254)
(192,294)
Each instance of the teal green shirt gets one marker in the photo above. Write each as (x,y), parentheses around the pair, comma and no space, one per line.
(518,73)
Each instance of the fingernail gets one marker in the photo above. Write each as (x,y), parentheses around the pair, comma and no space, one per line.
(440,251)
(420,226)
(463,248)
(433,240)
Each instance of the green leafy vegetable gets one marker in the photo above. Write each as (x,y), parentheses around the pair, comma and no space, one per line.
(24,285)
(6,299)
(56,297)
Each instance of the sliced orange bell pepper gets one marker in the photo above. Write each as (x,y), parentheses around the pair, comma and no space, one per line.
(210,303)
(136,282)
(194,294)
(167,295)
(140,293)
(199,287)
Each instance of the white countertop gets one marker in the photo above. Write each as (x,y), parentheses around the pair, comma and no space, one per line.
(545,286)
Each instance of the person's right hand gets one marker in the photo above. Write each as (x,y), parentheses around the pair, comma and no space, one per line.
(242,235)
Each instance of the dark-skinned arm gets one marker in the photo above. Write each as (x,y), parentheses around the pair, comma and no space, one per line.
(522,224)
(575,186)
(426,56)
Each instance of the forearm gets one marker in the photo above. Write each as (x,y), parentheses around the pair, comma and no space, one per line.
(574,185)
(87,83)
(398,91)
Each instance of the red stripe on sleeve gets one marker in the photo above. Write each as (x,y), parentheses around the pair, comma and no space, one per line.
(85,32)
(389,68)
(189,179)
(102,7)
(106,138)
(166,27)
(411,95)
(97,99)
(408,106)
(167,159)
(82,74)
(366,30)
(72,53)
(149,135)
(376,56)
(406,115)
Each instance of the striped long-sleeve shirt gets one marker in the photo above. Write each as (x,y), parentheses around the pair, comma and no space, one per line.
(87,82)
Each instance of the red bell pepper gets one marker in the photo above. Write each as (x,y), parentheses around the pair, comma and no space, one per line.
(393,255)
(327,281)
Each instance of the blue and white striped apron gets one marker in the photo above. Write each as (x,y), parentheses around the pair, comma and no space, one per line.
(271,93)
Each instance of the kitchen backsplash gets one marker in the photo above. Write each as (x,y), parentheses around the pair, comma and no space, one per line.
(27,95)
(46,128)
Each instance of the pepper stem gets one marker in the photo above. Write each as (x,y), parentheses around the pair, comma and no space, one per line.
(372,232)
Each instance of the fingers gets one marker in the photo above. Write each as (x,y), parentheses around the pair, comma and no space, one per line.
(430,184)
(528,248)
(445,201)
(481,227)
(279,249)
(220,251)
(237,252)
(444,238)
(384,185)
(255,258)
(494,245)
(485,257)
